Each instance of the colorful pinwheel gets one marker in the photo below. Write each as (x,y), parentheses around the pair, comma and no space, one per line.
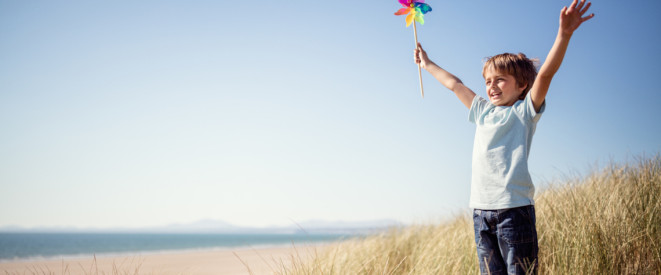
(415,10)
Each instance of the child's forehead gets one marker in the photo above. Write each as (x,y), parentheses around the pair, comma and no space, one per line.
(492,71)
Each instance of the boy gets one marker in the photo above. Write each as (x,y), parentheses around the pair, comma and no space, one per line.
(501,188)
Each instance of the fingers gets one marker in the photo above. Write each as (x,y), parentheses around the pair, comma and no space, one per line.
(418,50)
(578,9)
(587,18)
(572,6)
(585,9)
(579,5)
(417,54)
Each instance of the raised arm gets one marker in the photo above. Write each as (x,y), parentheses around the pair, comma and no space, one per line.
(448,80)
(570,19)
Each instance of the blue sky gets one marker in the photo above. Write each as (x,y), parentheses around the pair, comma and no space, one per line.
(130,114)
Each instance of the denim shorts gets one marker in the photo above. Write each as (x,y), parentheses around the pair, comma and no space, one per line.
(506,240)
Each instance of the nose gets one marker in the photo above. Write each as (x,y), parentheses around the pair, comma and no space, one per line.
(491,85)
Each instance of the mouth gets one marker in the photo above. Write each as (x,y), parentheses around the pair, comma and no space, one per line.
(495,95)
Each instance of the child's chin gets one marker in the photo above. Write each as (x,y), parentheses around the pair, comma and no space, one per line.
(496,102)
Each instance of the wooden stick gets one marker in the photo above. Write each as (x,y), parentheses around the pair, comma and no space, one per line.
(415,35)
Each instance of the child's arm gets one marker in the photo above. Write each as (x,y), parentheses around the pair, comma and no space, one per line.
(447,79)
(570,19)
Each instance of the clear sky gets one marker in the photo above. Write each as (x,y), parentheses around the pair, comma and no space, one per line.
(142,113)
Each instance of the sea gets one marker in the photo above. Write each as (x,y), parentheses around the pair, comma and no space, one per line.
(44,246)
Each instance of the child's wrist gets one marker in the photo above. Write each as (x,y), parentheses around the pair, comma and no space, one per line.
(429,64)
(565,33)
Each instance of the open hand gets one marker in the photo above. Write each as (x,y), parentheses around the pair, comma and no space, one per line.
(571,18)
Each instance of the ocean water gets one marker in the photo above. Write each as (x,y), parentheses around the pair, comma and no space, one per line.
(27,246)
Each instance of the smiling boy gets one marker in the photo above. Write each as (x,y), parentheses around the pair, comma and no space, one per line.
(501,187)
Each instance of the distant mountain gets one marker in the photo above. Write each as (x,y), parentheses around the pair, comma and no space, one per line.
(218,226)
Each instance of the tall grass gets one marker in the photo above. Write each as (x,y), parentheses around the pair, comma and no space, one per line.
(608,222)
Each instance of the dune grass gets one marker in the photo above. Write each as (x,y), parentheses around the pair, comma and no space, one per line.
(608,222)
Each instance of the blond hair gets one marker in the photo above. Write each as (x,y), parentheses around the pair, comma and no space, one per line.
(518,65)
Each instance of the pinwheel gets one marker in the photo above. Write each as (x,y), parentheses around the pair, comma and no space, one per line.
(416,10)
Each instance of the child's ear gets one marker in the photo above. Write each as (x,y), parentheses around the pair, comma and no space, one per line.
(522,88)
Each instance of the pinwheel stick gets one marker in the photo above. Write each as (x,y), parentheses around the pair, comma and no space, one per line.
(415,35)
(415,10)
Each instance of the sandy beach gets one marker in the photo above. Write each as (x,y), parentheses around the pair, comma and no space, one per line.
(237,261)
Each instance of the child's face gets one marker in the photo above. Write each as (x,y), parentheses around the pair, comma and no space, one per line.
(502,88)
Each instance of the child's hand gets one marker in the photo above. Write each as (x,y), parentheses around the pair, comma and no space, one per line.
(571,18)
(420,57)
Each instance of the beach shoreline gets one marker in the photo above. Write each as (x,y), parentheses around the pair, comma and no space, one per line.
(241,260)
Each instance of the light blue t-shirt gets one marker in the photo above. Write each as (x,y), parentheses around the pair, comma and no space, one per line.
(500,177)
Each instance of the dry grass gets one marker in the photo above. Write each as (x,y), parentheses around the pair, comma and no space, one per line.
(606,223)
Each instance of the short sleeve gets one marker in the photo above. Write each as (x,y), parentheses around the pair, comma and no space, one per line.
(477,107)
(530,109)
